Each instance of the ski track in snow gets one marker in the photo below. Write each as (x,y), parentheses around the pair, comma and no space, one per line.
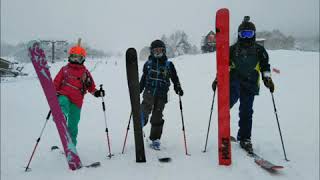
(24,109)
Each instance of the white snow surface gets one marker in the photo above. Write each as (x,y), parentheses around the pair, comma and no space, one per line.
(24,109)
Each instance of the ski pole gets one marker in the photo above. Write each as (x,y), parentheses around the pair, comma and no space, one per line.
(105,121)
(38,140)
(183,129)
(275,112)
(125,138)
(205,146)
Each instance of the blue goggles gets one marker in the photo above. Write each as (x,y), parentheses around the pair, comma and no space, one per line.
(246,34)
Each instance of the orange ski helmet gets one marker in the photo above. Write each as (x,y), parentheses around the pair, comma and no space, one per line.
(78,50)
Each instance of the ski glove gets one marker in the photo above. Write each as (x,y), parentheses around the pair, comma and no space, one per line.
(214,84)
(99,93)
(269,83)
(178,90)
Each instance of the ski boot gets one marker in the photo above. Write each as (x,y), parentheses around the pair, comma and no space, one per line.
(247,146)
(155,144)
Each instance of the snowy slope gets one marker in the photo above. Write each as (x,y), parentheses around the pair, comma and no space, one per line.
(24,108)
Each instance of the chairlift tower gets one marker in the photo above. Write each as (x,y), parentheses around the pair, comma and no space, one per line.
(53,42)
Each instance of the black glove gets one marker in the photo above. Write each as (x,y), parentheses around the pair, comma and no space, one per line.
(214,84)
(178,90)
(269,83)
(99,93)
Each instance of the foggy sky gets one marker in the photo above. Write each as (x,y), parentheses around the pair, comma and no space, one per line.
(113,25)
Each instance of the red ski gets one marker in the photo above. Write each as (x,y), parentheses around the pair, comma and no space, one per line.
(265,164)
(222,44)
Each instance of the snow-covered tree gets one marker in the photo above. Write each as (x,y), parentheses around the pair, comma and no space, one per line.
(178,44)
(276,40)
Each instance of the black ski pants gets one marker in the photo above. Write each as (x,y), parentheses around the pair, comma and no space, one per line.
(238,92)
(155,105)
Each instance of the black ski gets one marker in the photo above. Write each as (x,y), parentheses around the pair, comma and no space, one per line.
(265,164)
(92,165)
(134,91)
(164,159)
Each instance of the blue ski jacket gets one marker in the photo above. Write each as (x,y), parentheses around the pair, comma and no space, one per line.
(156,76)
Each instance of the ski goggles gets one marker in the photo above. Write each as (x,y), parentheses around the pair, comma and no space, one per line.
(76,58)
(246,34)
(158,52)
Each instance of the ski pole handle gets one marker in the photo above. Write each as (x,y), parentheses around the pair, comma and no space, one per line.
(103,104)
(101,89)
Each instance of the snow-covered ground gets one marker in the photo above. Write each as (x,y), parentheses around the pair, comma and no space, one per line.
(24,109)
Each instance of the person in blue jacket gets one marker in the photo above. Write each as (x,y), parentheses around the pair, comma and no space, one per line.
(247,61)
(154,84)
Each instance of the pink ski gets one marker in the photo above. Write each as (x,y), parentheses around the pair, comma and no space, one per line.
(38,58)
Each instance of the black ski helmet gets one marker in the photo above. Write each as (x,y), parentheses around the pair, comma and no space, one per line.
(247,25)
(157,44)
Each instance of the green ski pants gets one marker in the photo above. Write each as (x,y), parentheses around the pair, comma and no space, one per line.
(72,114)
